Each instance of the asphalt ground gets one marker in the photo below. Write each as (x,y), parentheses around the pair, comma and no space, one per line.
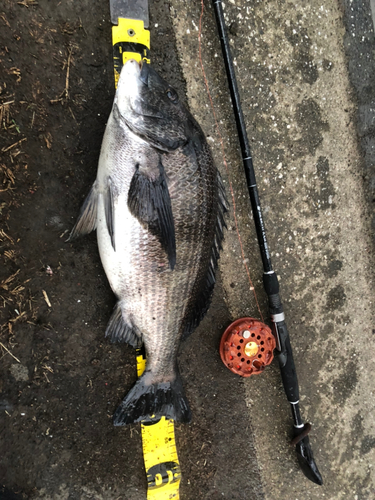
(305,73)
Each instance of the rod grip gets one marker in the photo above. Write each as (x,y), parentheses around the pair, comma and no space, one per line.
(287,366)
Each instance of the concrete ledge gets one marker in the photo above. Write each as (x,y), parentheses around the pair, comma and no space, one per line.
(299,107)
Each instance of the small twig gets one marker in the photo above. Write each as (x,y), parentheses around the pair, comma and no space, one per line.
(18,317)
(3,234)
(67,74)
(27,3)
(16,71)
(65,92)
(6,103)
(46,298)
(64,233)
(8,351)
(4,284)
(81,26)
(46,367)
(6,21)
(71,112)
(10,254)
(4,150)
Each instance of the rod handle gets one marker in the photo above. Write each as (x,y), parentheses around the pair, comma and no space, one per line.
(286,363)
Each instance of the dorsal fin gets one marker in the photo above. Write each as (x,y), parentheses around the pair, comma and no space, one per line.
(202,303)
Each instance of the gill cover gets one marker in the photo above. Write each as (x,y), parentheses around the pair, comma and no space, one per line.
(151,108)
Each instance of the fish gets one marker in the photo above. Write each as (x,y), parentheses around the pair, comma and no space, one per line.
(158,206)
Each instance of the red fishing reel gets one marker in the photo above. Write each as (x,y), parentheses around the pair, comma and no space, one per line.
(246,347)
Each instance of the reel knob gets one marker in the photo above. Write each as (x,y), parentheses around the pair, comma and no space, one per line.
(246,347)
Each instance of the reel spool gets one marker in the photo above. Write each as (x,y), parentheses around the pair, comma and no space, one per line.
(246,347)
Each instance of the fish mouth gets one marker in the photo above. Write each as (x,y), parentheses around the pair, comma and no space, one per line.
(131,68)
(136,76)
(129,83)
(132,99)
(133,74)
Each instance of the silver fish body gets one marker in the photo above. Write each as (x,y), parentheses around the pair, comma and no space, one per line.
(157,205)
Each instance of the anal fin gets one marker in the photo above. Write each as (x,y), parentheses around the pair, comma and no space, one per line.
(119,331)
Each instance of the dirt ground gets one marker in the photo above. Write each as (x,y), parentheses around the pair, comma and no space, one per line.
(60,381)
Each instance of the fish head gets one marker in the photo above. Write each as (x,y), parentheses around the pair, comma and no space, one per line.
(151,108)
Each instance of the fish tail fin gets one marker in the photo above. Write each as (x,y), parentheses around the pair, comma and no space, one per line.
(147,401)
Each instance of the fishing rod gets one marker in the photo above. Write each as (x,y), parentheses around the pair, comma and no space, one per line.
(270,281)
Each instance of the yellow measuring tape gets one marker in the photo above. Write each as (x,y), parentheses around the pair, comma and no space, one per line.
(159,454)
(131,40)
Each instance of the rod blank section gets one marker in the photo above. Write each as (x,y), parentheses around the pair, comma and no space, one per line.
(243,139)
(244,142)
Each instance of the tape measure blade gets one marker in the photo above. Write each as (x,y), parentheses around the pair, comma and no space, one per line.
(159,454)
(134,9)
(130,39)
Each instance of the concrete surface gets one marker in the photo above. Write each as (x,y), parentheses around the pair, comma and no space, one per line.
(372,5)
(301,114)
(359,48)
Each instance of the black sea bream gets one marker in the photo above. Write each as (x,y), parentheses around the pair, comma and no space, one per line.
(157,205)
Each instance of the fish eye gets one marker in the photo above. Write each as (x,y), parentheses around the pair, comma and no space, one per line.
(172,95)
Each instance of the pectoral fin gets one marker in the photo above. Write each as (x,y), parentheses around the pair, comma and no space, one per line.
(86,221)
(150,203)
(87,218)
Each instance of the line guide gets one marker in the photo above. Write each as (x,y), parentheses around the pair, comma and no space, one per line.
(131,40)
